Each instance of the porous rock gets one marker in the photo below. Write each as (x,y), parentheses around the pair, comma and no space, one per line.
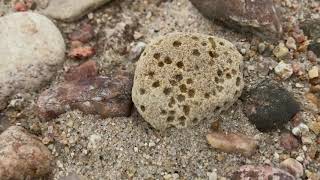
(29,56)
(182,79)
(22,155)
(269,106)
(261,172)
(108,96)
(71,10)
(232,143)
(259,17)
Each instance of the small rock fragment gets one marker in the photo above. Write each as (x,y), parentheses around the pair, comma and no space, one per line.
(20,7)
(71,10)
(136,51)
(232,143)
(84,71)
(259,17)
(81,52)
(288,141)
(284,70)
(280,51)
(315,127)
(291,43)
(261,172)
(72,176)
(23,156)
(108,96)
(269,106)
(84,34)
(314,72)
(292,166)
(314,46)
(300,129)
(4,122)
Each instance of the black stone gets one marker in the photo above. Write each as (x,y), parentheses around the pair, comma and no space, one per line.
(269,106)
(311,28)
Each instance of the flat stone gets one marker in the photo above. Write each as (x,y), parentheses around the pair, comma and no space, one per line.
(71,10)
(261,172)
(232,143)
(292,166)
(31,50)
(108,96)
(259,17)
(23,156)
(269,106)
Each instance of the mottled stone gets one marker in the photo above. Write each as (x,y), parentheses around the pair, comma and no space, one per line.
(288,141)
(292,166)
(22,155)
(269,106)
(259,17)
(84,71)
(232,143)
(83,34)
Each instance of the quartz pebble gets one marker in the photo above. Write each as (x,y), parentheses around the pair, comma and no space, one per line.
(280,51)
(300,129)
(313,72)
(284,70)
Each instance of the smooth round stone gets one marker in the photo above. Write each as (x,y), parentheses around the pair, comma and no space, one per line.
(31,50)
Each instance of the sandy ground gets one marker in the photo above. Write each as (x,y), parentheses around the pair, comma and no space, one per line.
(129,148)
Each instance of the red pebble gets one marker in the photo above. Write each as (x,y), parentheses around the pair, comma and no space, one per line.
(81,52)
(84,71)
(20,7)
(288,141)
(84,34)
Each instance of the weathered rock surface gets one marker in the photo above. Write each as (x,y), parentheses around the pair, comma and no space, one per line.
(29,56)
(261,172)
(232,143)
(311,28)
(71,10)
(259,17)
(22,155)
(182,79)
(293,167)
(108,96)
(288,141)
(269,106)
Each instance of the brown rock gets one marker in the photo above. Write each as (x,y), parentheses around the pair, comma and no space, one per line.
(232,143)
(292,166)
(84,34)
(259,17)
(264,172)
(81,52)
(23,156)
(84,71)
(288,141)
(108,96)
(20,7)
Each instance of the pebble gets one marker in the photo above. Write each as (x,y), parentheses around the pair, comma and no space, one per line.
(136,51)
(291,43)
(232,143)
(23,156)
(300,129)
(280,51)
(284,70)
(261,172)
(81,52)
(27,66)
(313,72)
(315,127)
(84,33)
(269,106)
(261,47)
(292,166)
(171,87)
(259,17)
(314,46)
(108,96)
(72,176)
(71,10)
(288,141)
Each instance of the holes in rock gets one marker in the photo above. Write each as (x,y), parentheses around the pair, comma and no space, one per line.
(181,97)
(151,74)
(186,109)
(170,119)
(189,81)
(238,81)
(213,44)
(213,54)
(219,72)
(144,54)
(195,38)
(183,88)
(207,95)
(216,79)
(233,71)
(229,61)
(167,60)
(178,77)
(172,112)
(163,112)
(182,122)
(221,43)
(176,43)
(220,88)
(143,108)
(228,75)
(156,84)
(217,109)
(173,82)
(157,56)
(195,120)
(172,102)
(213,93)
(167,91)
(195,52)
(180,64)
(182,118)
(142,91)
(191,93)
(204,44)
(237,93)
(221,80)
(160,64)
